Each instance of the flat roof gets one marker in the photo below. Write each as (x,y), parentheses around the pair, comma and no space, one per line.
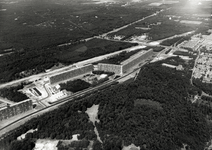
(134,57)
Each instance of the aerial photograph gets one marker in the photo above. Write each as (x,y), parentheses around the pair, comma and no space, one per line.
(105,74)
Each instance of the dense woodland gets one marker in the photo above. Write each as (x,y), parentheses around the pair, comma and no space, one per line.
(168,121)
(12,93)
(75,85)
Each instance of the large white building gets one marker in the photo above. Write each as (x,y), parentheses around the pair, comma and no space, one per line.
(127,64)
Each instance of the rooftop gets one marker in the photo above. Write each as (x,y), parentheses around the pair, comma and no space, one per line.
(135,56)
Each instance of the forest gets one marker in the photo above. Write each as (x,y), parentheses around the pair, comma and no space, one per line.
(165,120)
(75,85)
(12,93)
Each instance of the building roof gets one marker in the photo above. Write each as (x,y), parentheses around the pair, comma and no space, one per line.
(133,57)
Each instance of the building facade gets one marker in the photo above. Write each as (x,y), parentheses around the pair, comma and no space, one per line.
(15,109)
(117,69)
(71,74)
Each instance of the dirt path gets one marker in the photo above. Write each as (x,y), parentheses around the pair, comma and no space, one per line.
(93,114)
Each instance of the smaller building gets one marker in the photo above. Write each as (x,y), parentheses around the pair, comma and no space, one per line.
(179,67)
(102,76)
(57,96)
(190,22)
(168,65)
